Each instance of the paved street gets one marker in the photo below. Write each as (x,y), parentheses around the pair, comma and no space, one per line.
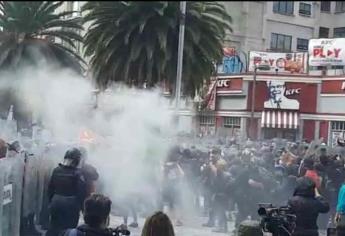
(191,227)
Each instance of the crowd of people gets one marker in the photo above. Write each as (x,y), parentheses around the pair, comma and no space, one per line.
(228,180)
(305,176)
(71,191)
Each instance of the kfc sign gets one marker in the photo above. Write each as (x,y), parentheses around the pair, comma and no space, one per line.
(327,52)
(343,86)
(223,83)
(279,62)
(278,93)
(290,92)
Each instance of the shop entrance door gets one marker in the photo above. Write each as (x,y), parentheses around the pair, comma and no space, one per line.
(289,134)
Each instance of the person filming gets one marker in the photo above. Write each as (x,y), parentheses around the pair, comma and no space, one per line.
(306,204)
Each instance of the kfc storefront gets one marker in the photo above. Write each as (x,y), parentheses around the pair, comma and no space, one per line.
(289,101)
(226,107)
(280,105)
(282,95)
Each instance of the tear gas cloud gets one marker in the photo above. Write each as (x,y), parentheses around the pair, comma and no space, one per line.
(132,129)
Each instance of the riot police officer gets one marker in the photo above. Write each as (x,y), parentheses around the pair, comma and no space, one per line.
(67,191)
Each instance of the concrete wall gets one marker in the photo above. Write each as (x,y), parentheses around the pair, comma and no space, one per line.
(231,103)
(332,105)
(247,29)
(288,29)
(234,102)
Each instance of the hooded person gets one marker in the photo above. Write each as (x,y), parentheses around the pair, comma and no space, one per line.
(306,204)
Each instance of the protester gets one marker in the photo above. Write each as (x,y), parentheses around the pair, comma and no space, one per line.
(306,204)
(220,199)
(67,192)
(311,172)
(158,224)
(172,178)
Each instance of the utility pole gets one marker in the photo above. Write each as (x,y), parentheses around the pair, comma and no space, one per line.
(264,67)
(180,58)
(253,105)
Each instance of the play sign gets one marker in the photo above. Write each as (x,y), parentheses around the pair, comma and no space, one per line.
(327,52)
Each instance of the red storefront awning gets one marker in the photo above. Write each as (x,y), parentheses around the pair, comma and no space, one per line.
(279,119)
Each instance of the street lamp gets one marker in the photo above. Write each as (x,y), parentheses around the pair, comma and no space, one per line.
(263,67)
(180,57)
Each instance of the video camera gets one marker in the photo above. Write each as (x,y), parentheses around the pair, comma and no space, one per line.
(276,220)
(119,231)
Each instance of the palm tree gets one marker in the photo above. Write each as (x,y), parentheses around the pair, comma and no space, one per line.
(136,42)
(28,34)
(31,32)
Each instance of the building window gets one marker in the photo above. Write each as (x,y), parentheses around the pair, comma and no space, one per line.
(207,120)
(280,42)
(337,131)
(323,32)
(337,67)
(339,7)
(339,32)
(283,7)
(232,122)
(304,9)
(325,6)
(302,44)
(338,125)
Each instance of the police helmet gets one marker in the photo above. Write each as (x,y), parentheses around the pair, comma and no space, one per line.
(73,154)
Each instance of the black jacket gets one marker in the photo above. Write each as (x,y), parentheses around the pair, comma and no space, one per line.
(307,207)
(90,175)
(67,181)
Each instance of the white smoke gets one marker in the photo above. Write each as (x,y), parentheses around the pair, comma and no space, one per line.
(132,129)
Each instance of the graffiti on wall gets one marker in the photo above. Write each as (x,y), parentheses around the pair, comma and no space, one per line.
(234,62)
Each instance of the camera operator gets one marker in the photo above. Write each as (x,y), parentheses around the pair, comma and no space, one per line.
(96,218)
(306,204)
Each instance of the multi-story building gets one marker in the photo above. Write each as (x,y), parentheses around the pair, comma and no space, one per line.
(318,92)
(283,25)
(312,98)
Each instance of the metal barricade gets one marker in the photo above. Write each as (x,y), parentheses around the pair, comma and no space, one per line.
(11,182)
